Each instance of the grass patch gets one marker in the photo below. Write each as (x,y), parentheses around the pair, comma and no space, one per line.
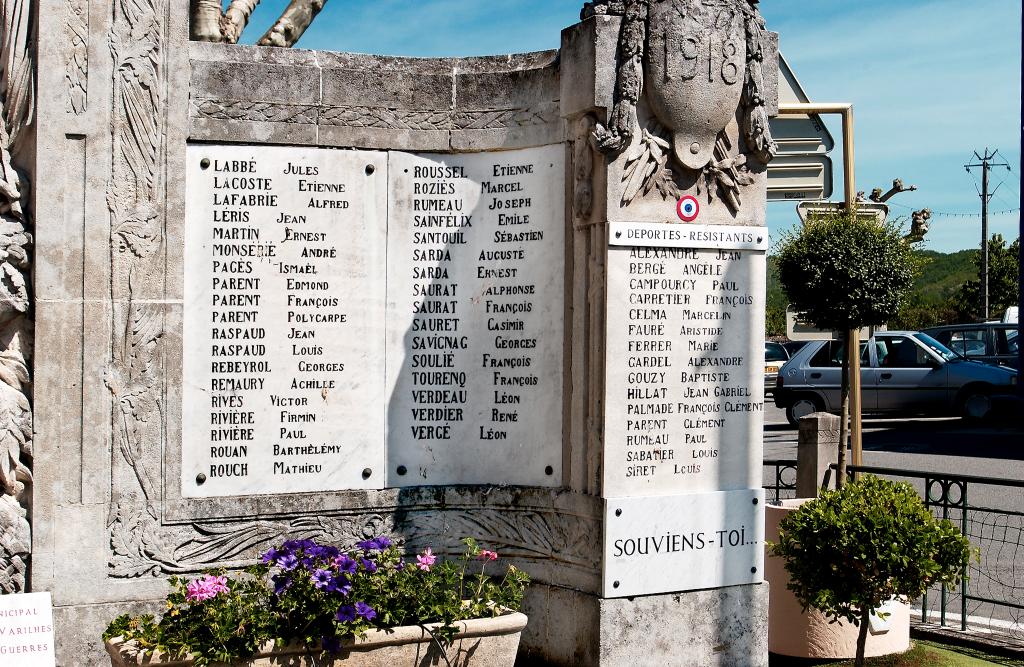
(921,654)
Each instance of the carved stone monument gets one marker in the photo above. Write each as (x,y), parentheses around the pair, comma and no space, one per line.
(279,293)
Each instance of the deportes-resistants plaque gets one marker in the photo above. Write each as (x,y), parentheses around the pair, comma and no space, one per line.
(284,320)
(684,398)
(476,308)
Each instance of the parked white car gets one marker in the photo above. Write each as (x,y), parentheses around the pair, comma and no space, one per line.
(902,372)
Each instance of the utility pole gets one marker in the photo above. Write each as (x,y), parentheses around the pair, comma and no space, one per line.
(985,163)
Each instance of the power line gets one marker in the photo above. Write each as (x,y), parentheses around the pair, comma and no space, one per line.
(960,214)
(985,163)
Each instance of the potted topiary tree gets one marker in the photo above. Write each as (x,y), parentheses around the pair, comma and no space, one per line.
(850,551)
(845,271)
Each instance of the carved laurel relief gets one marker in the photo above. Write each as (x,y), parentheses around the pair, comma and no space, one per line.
(135,373)
(385,118)
(17,77)
(77,68)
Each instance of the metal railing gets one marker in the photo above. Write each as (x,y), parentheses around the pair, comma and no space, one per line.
(994,587)
(779,480)
(989,512)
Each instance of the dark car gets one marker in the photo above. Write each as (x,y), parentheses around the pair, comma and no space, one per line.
(991,342)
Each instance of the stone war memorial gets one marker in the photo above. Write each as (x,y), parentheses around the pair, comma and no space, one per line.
(254,293)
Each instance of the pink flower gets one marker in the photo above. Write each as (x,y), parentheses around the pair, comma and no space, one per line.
(488,555)
(206,588)
(425,560)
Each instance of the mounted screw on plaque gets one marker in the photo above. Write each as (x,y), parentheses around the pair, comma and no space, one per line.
(200,479)
(367,473)
(205,163)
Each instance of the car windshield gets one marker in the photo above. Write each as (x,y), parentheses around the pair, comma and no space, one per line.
(937,347)
(775,352)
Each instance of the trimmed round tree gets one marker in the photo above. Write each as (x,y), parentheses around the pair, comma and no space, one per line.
(845,272)
(849,551)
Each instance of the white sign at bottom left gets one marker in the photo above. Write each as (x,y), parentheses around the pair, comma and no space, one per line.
(26,630)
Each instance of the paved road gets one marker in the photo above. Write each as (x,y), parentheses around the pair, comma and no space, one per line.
(948,445)
(937,445)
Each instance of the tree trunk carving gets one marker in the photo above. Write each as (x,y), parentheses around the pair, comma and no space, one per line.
(210,24)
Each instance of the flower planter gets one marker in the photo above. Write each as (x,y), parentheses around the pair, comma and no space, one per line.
(482,642)
(793,633)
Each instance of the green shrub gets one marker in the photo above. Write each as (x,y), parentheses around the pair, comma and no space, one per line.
(846,272)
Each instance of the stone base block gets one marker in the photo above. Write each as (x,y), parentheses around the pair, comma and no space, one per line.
(710,628)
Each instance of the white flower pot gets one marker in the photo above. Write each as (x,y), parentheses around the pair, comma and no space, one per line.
(791,632)
(482,642)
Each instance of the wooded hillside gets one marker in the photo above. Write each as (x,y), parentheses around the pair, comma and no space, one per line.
(942,274)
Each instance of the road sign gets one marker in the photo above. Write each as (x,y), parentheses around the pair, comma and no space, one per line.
(802,169)
(798,328)
(865,209)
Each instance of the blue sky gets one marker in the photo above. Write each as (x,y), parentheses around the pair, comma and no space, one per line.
(931,80)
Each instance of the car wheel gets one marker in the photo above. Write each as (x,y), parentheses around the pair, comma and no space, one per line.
(976,403)
(801,407)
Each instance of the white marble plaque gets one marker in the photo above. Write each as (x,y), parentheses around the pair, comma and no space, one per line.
(26,630)
(684,395)
(656,234)
(284,320)
(687,542)
(475,317)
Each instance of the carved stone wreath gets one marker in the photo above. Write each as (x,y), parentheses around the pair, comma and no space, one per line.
(668,42)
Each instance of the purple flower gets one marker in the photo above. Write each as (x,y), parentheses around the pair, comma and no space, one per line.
(296,545)
(281,583)
(323,579)
(368,565)
(346,614)
(365,610)
(376,544)
(270,556)
(345,564)
(342,585)
(288,561)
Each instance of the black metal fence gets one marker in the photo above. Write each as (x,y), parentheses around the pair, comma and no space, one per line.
(990,512)
(779,480)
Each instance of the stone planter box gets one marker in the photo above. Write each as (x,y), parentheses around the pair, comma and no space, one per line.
(793,633)
(482,642)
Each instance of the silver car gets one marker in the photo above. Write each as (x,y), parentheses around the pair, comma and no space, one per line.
(904,372)
(775,356)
